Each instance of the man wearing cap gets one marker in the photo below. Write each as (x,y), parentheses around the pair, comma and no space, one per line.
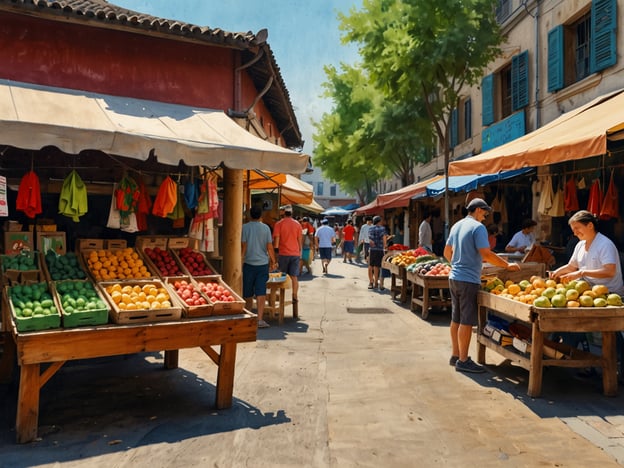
(288,241)
(325,237)
(377,238)
(467,248)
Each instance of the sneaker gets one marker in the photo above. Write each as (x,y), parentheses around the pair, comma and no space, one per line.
(469,366)
(370,285)
(263,324)
(453,360)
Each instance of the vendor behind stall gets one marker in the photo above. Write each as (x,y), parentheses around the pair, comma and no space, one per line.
(523,239)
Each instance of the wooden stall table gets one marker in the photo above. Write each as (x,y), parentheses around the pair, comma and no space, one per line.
(276,298)
(398,279)
(542,321)
(57,346)
(424,289)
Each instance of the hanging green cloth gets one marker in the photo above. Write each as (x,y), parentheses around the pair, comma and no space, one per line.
(73,198)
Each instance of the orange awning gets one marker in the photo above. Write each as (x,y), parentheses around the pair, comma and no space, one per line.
(577,134)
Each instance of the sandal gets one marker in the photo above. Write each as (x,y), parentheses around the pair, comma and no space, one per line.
(263,324)
(370,285)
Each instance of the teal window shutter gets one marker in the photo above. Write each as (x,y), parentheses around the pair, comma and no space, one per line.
(555,59)
(454,124)
(603,26)
(487,98)
(520,80)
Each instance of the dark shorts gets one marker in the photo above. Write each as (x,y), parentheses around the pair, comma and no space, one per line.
(348,246)
(375,257)
(464,302)
(325,253)
(289,264)
(255,278)
(366,249)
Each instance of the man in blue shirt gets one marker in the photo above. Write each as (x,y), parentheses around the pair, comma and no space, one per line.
(377,236)
(467,248)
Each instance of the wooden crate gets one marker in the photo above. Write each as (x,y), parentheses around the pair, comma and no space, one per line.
(526,271)
(180,242)
(221,307)
(89,244)
(84,258)
(142,242)
(122,316)
(202,258)
(153,267)
(11,277)
(189,310)
(115,244)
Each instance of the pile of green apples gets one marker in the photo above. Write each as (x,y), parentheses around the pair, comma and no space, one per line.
(78,296)
(32,300)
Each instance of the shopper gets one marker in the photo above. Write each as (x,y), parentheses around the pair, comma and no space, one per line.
(348,242)
(377,237)
(363,239)
(467,248)
(325,238)
(288,241)
(425,235)
(258,257)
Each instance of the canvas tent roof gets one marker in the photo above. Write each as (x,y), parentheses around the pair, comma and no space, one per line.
(34,116)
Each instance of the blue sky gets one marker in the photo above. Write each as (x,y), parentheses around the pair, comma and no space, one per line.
(303,35)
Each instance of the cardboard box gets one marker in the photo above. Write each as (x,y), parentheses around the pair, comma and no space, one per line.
(54,241)
(16,242)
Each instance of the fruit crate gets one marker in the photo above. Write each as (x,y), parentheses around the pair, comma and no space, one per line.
(32,322)
(12,275)
(236,306)
(62,267)
(151,241)
(194,262)
(203,310)
(72,318)
(128,264)
(154,257)
(140,315)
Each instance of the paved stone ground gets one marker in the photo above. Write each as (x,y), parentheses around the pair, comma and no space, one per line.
(358,381)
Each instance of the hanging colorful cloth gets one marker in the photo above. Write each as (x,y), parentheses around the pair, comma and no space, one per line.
(29,195)
(610,205)
(73,197)
(595,197)
(143,208)
(177,215)
(127,196)
(166,198)
(191,193)
(213,199)
(546,196)
(571,198)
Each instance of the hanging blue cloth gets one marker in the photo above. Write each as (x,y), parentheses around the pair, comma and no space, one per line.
(191,193)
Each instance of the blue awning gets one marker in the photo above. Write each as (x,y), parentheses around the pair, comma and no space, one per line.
(471,182)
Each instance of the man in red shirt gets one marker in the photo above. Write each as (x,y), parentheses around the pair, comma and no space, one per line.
(348,242)
(288,241)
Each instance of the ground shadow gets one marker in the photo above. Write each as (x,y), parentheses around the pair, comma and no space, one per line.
(106,405)
(281,332)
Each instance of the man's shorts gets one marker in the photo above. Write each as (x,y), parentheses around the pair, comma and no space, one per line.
(289,264)
(375,257)
(464,302)
(255,278)
(325,253)
(348,247)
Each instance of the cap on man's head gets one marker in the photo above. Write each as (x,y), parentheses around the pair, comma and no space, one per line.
(288,208)
(325,221)
(478,203)
(376,219)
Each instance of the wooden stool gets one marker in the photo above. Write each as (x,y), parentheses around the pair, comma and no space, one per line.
(276,299)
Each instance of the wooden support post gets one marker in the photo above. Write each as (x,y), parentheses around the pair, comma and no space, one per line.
(225,376)
(609,366)
(171,359)
(232,228)
(536,366)
(28,404)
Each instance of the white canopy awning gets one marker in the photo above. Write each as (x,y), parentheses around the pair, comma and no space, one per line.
(34,116)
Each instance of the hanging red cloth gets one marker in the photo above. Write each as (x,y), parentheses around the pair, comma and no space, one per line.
(610,205)
(595,197)
(144,207)
(571,198)
(29,195)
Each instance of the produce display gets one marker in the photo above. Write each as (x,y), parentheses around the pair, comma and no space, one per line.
(79,296)
(190,294)
(33,300)
(164,261)
(430,265)
(195,262)
(546,293)
(116,264)
(407,257)
(215,291)
(22,262)
(138,297)
(62,267)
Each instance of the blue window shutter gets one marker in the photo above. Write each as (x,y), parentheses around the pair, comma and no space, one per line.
(520,81)
(603,27)
(487,97)
(555,59)
(454,124)
(468,118)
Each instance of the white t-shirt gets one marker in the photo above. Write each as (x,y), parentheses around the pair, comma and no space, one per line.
(520,239)
(601,252)
(425,237)
(325,235)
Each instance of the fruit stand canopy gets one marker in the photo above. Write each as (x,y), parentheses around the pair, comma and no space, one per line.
(577,134)
(34,116)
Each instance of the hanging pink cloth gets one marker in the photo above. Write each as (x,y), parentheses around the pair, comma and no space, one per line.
(595,197)
(571,197)
(610,204)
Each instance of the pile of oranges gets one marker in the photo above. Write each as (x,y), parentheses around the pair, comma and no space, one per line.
(139,297)
(116,264)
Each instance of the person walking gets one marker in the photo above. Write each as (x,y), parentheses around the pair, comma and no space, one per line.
(377,238)
(288,241)
(466,249)
(325,238)
(363,239)
(258,257)
(348,242)
(425,235)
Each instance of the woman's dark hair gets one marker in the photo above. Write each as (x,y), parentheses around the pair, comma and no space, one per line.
(527,223)
(492,229)
(584,217)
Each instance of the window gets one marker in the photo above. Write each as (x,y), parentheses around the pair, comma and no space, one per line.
(506,91)
(319,189)
(332,190)
(582,47)
(503,10)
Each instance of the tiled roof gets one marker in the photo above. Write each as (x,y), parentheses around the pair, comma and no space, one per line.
(101,11)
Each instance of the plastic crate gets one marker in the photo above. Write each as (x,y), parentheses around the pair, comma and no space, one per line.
(33,322)
(84,317)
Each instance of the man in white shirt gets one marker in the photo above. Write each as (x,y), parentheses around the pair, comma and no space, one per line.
(363,238)
(425,236)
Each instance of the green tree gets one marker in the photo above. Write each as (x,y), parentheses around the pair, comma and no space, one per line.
(426,51)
